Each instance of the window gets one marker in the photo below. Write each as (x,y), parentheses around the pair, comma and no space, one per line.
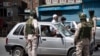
(3,12)
(42,2)
(45,30)
(48,31)
(17,31)
(22,31)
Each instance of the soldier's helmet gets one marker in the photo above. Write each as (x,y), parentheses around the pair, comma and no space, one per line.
(82,16)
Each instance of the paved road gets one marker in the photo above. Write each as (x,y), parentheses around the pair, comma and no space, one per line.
(4,53)
(2,48)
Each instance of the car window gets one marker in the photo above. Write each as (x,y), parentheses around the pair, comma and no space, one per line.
(21,31)
(17,31)
(48,31)
(45,31)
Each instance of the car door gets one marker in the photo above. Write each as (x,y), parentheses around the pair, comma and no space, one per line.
(51,45)
(21,36)
(18,36)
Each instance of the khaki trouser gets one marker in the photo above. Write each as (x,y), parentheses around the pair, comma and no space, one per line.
(31,47)
(82,48)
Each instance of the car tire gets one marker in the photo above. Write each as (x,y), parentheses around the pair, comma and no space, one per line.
(72,52)
(18,51)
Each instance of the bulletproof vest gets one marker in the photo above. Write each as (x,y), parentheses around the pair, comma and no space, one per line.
(29,28)
(85,31)
(91,22)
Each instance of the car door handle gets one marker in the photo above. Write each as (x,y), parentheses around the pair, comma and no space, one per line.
(44,39)
(20,38)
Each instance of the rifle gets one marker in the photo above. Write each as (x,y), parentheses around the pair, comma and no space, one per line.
(38,40)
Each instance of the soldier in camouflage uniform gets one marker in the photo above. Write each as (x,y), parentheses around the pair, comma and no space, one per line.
(31,32)
(92,21)
(82,37)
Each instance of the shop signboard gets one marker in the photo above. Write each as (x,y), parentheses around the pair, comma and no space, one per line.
(54,2)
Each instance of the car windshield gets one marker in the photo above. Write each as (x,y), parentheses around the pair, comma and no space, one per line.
(63,30)
(67,23)
(70,24)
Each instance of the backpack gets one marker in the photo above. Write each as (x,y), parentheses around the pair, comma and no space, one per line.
(85,31)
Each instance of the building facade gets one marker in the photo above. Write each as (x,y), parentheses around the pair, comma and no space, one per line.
(67,8)
(11,12)
(14,11)
(32,4)
(91,5)
(52,6)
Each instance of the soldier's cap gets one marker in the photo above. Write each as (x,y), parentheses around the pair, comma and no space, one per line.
(54,15)
(82,16)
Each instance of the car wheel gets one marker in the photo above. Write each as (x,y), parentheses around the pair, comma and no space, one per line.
(18,51)
(72,52)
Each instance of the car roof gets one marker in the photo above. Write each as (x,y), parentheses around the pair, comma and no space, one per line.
(43,23)
(69,21)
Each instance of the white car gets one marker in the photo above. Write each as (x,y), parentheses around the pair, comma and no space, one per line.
(62,44)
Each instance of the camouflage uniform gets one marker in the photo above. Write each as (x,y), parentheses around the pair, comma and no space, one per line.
(30,32)
(82,37)
(92,21)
